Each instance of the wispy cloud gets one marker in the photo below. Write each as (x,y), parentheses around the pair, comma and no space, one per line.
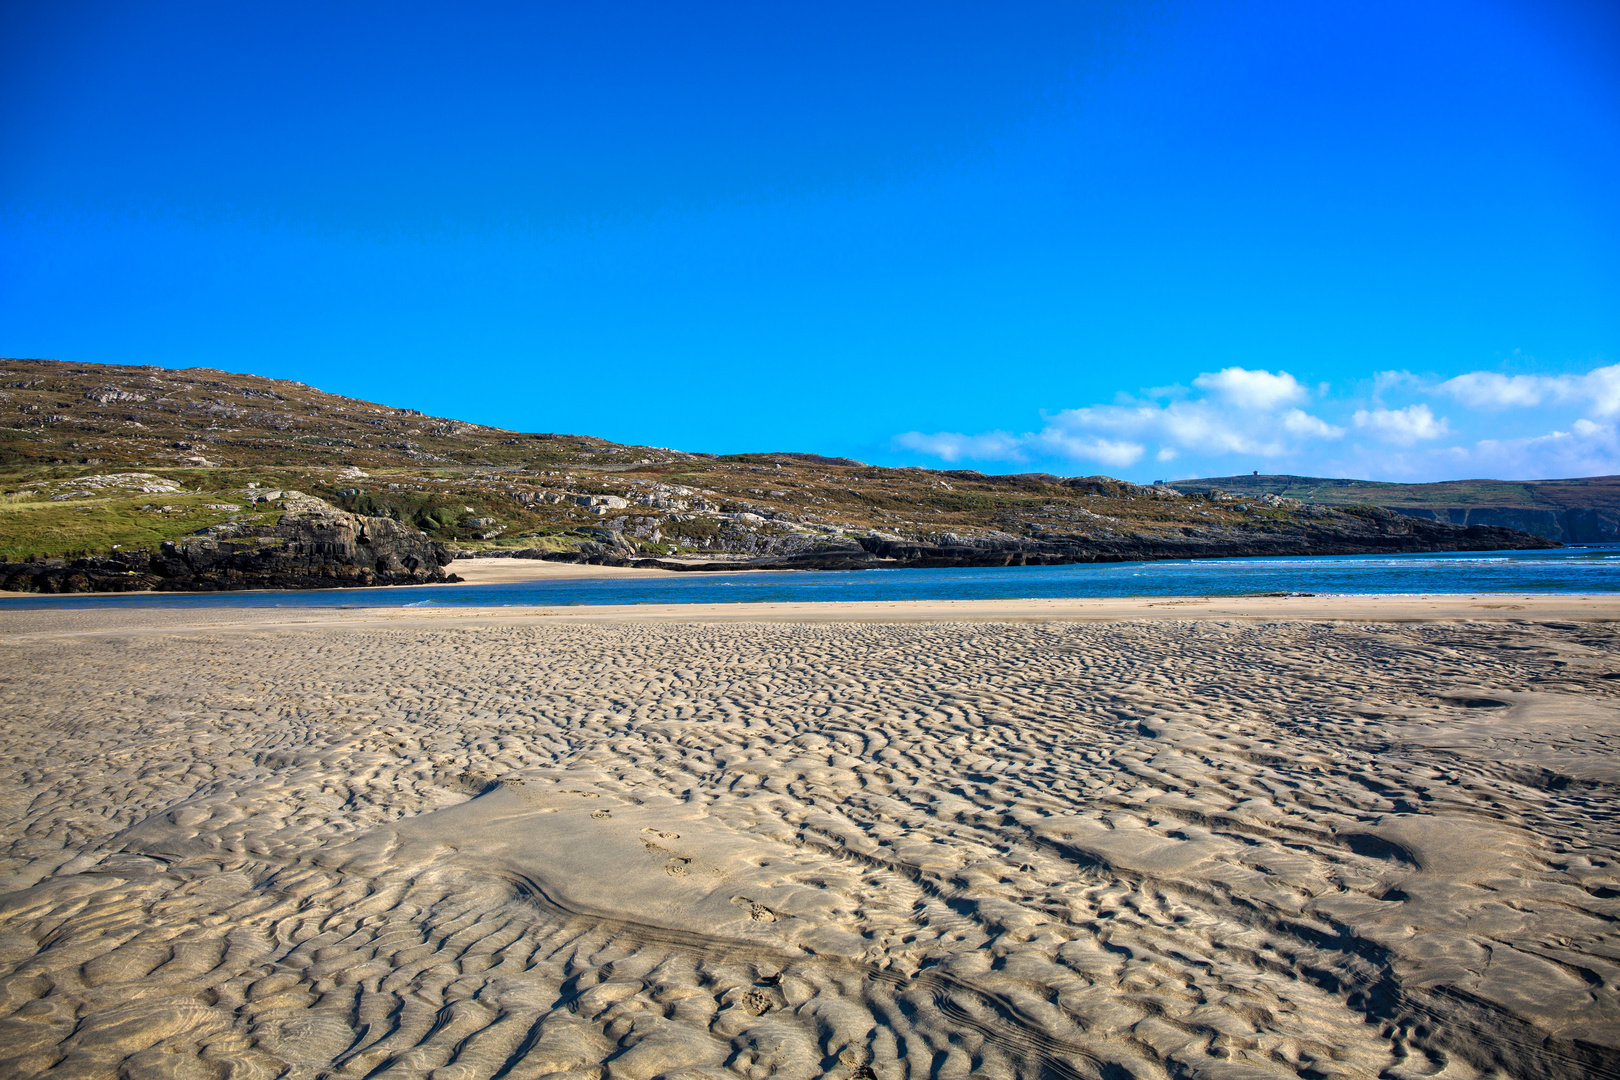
(953,446)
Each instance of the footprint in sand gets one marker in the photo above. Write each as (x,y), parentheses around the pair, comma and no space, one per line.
(756,911)
(676,867)
(601,815)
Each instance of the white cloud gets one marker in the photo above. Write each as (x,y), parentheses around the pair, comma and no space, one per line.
(1300,422)
(1598,390)
(1199,426)
(1253,389)
(1602,387)
(1586,449)
(1486,389)
(1506,425)
(954,446)
(1243,413)
(1081,447)
(1402,426)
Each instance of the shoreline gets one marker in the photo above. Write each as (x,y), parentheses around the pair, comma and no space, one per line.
(510,570)
(28,623)
(505,571)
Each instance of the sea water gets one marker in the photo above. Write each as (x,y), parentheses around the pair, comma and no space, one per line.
(1560,570)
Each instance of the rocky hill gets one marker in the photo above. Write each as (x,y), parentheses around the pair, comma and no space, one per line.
(309,545)
(1580,511)
(111,473)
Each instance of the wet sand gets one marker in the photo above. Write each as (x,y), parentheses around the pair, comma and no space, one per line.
(1190,837)
(54,620)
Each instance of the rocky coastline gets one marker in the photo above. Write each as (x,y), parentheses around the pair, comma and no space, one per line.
(1361,531)
(1568,525)
(314,545)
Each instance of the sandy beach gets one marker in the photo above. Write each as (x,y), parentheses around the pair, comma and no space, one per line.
(505,571)
(1267,837)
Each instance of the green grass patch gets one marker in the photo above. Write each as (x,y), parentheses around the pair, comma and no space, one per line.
(74,528)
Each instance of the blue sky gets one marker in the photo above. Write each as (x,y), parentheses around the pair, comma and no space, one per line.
(1152,240)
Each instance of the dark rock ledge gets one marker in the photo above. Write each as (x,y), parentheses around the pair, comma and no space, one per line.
(1363,531)
(312,546)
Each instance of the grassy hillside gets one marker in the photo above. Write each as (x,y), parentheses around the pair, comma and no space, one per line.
(214,446)
(100,458)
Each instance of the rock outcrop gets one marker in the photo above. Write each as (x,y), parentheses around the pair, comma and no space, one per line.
(313,545)
(1362,531)
(1356,531)
(1568,525)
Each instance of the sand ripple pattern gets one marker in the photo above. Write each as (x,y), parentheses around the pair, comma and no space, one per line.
(944,850)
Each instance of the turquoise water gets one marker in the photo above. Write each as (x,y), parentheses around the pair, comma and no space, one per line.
(1562,570)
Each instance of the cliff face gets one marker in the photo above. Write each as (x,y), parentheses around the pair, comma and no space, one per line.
(1569,525)
(313,545)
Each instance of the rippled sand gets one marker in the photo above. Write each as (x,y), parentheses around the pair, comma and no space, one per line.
(415,847)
